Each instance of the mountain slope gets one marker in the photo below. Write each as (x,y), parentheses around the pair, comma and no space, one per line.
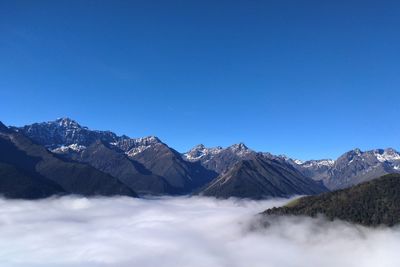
(370,203)
(166,162)
(259,178)
(113,161)
(20,155)
(21,181)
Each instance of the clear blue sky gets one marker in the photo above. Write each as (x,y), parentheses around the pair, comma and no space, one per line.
(310,79)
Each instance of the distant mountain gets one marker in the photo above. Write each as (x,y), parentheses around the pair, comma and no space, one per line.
(352,168)
(318,170)
(219,159)
(31,171)
(261,177)
(145,164)
(150,166)
(356,166)
(371,203)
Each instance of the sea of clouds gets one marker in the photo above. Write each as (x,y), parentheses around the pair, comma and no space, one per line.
(181,232)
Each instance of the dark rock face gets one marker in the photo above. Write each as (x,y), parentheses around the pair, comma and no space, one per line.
(262,178)
(371,203)
(42,173)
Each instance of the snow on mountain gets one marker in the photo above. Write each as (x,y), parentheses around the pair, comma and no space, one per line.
(65,135)
(201,151)
(298,162)
(65,149)
(388,155)
(317,163)
(134,146)
(65,132)
(240,149)
(219,159)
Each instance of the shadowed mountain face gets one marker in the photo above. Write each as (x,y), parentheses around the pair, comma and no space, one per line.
(113,161)
(262,178)
(19,178)
(145,164)
(181,174)
(371,203)
(31,171)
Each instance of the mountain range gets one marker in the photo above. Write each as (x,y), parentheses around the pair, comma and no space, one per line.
(146,165)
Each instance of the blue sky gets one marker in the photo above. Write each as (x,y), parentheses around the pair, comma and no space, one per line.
(310,79)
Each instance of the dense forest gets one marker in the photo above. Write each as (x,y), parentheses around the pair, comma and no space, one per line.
(372,203)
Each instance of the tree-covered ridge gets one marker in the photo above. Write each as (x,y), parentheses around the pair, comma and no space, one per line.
(372,203)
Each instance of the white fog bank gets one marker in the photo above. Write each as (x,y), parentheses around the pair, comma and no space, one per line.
(181,232)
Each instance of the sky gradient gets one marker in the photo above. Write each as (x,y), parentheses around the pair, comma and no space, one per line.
(309,79)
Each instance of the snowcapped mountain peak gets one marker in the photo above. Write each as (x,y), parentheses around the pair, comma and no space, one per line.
(318,163)
(238,147)
(199,147)
(388,154)
(66,122)
(357,151)
(65,132)
(134,146)
(298,162)
(201,151)
(147,140)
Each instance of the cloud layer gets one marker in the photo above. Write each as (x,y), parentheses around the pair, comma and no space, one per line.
(175,232)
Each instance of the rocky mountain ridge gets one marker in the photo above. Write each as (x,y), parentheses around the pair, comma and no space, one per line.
(183,172)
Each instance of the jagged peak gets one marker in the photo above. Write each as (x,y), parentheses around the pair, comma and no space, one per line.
(202,147)
(199,147)
(66,122)
(353,152)
(319,163)
(148,139)
(391,150)
(239,147)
